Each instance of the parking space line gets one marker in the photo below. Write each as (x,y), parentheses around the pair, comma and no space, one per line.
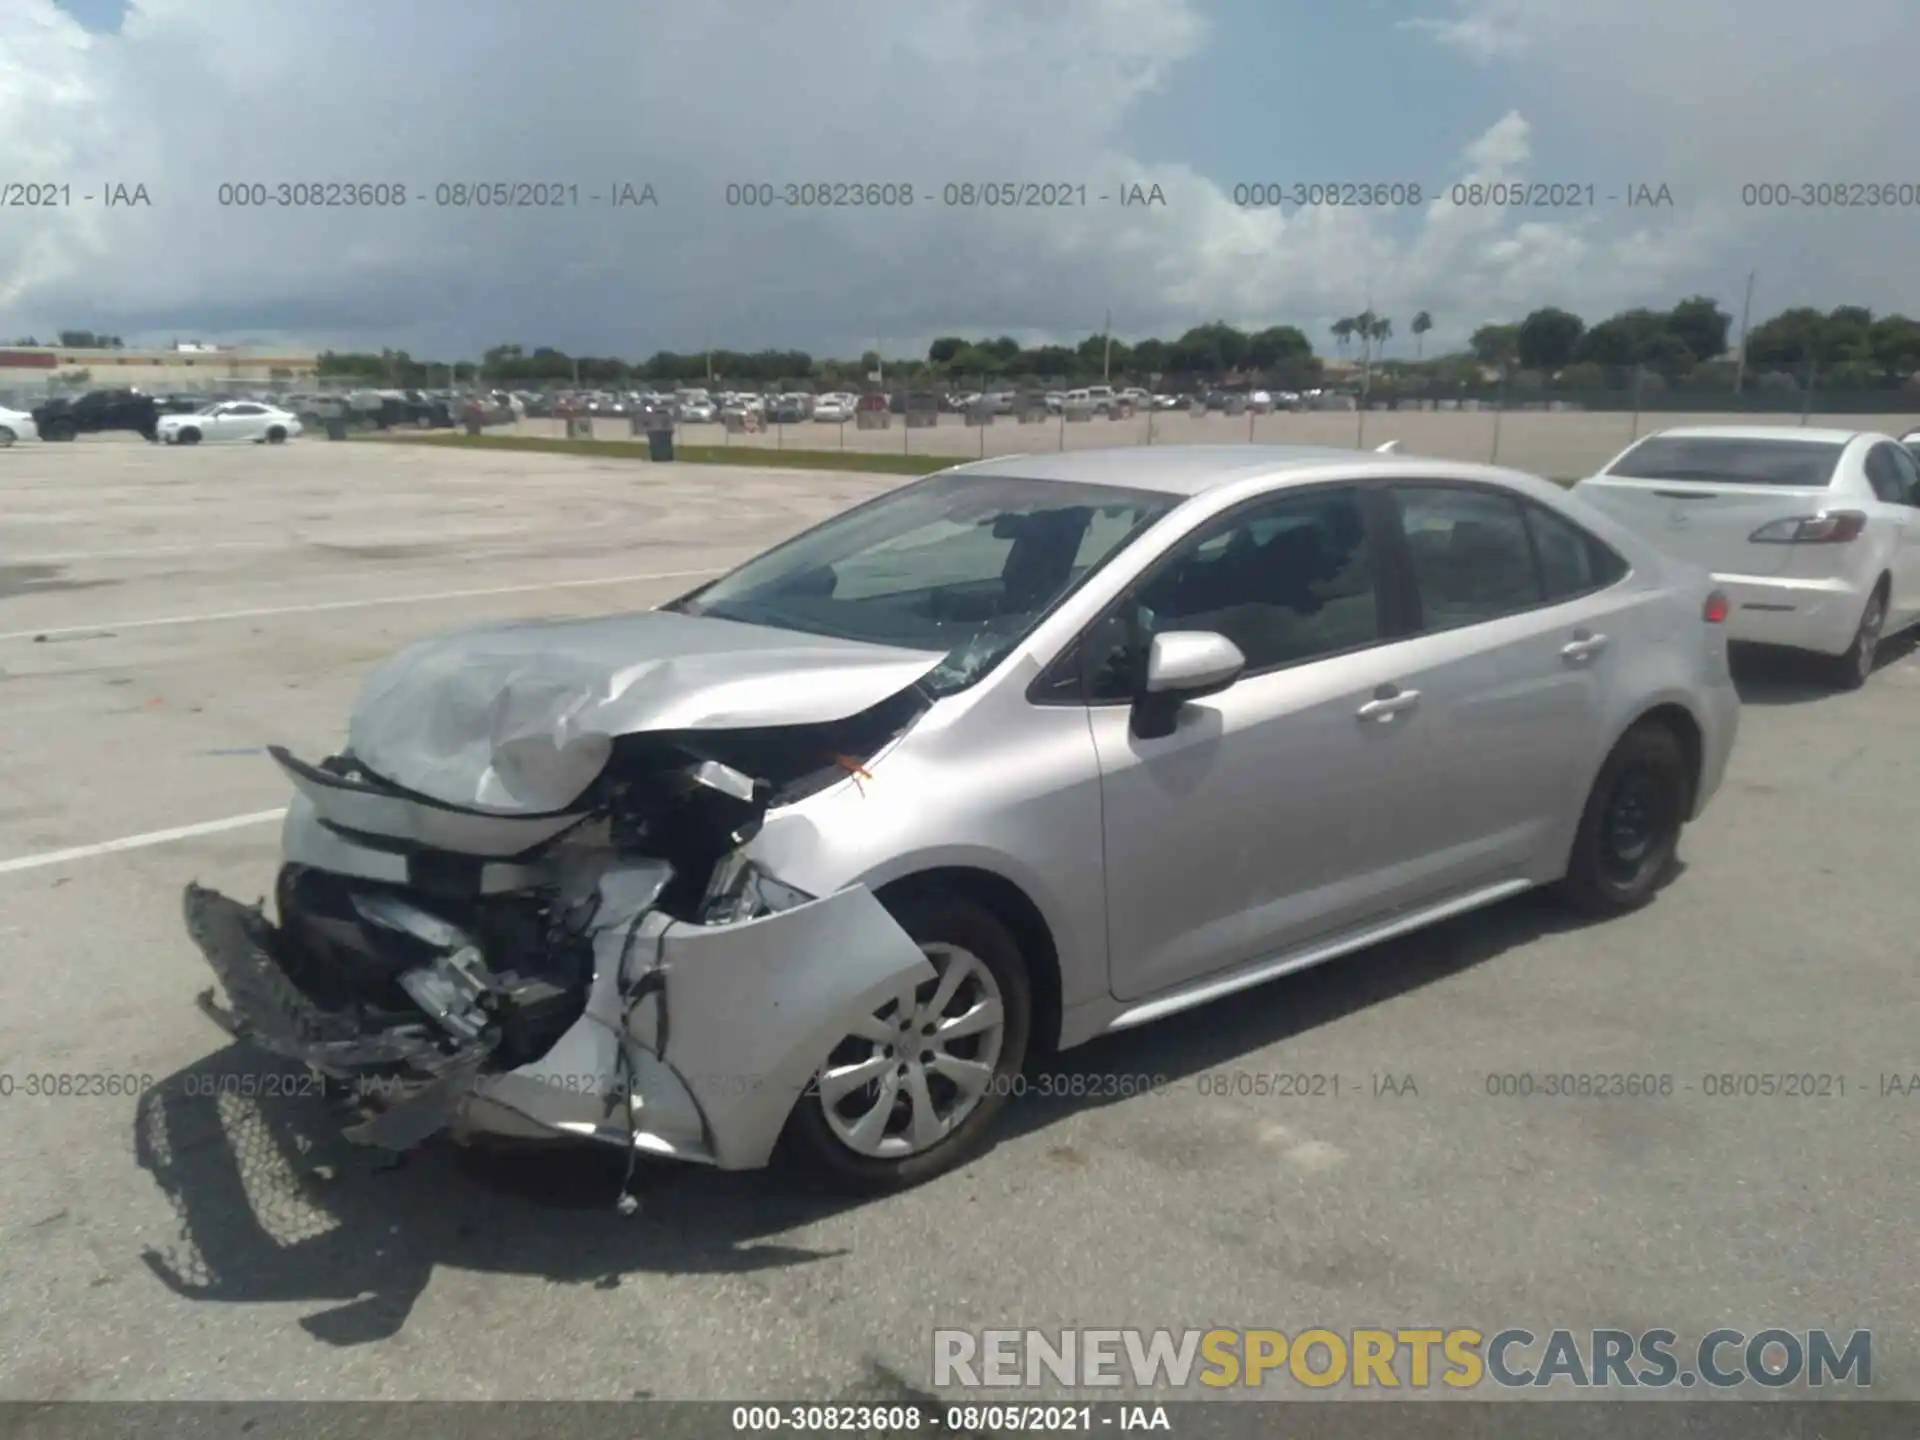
(318,606)
(139,842)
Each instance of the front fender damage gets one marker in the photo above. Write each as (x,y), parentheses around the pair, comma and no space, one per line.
(694,1042)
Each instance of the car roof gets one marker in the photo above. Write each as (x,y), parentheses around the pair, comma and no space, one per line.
(1759,432)
(1194,469)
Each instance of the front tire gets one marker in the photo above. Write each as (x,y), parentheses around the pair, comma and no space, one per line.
(189,436)
(1629,833)
(277,436)
(914,1092)
(1851,670)
(7,437)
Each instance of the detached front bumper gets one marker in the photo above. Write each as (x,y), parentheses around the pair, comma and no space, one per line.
(692,1042)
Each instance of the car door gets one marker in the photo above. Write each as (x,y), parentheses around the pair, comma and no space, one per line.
(1247,830)
(244,420)
(1895,478)
(1517,631)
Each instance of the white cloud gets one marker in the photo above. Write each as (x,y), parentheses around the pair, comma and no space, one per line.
(194,93)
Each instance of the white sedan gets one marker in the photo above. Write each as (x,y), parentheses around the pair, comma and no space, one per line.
(16,425)
(1813,535)
(231,420)
(833,409)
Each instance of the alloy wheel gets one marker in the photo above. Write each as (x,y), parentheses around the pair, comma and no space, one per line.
(915,1069)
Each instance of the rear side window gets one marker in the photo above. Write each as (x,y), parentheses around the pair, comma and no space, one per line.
(1731,460)
(1472,557)
(1909,469)
(1889,481)
(1572,562)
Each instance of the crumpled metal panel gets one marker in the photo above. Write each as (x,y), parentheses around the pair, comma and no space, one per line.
(520,718)
(753,1009)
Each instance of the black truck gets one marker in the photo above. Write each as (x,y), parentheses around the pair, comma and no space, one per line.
(99,411)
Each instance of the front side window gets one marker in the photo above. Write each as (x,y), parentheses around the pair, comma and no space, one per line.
(961,564)
(1472,560)
(1287,581)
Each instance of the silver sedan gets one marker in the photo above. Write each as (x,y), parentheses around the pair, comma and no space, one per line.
(822,854)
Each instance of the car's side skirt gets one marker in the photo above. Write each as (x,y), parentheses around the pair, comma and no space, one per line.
(1102,1017)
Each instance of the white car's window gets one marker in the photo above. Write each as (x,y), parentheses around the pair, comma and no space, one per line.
(1731,460)
(1909,470)
(1885,476)
(1471,558)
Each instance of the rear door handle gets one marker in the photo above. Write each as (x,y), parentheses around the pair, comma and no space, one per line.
(1583,647)
(1384,707)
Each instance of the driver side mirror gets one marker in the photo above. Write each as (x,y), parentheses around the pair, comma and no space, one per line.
(1183,665)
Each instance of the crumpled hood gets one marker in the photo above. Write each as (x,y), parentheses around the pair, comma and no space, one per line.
(520,718)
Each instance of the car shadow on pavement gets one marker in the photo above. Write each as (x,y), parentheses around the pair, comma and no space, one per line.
(1220,1035)
(275,1206)
(1765,676)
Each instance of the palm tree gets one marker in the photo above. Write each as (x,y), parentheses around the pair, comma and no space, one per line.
(1363,324)
(1382,332)
(1422,323)
(1343,332)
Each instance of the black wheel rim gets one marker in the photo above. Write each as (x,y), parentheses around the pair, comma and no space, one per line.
(1634,826)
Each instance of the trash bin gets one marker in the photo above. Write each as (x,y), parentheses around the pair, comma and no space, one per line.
(336,427)
(660,442)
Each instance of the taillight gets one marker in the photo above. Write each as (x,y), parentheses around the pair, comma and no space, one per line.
(1717,609)
(1829,527)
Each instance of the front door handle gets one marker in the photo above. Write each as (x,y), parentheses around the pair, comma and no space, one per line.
(1384,707)
(1583,647)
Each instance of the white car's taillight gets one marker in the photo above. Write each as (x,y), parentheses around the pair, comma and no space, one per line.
(1829,527)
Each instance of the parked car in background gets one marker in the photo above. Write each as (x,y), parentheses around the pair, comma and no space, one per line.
(1166,402)
(16,425)
(1814,535)
(790,409)
(1056,400)
(835,408)
(98,412)
(231,420)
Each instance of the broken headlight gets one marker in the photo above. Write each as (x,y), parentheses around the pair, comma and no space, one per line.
(741,890)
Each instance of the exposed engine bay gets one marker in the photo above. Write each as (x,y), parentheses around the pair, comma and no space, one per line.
(617,970)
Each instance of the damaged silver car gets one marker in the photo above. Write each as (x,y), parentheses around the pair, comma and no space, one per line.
(1012,756)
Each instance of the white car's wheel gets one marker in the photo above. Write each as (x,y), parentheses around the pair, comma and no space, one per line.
(188,435)
(7,437)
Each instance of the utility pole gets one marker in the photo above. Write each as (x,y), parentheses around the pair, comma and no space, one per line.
(1740,365)
(1106,359)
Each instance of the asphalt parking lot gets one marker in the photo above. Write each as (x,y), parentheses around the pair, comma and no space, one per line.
(165,614)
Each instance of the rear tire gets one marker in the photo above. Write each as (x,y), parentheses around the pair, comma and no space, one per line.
(1629,833)
(7,437)
(951,930)
(1851,670)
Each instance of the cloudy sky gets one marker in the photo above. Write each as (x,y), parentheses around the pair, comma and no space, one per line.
(1193,96)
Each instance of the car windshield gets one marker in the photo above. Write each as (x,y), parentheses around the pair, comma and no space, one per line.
(1731,460)
(961,564)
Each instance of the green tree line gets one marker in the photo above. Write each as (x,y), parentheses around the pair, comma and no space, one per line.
(1687,344)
